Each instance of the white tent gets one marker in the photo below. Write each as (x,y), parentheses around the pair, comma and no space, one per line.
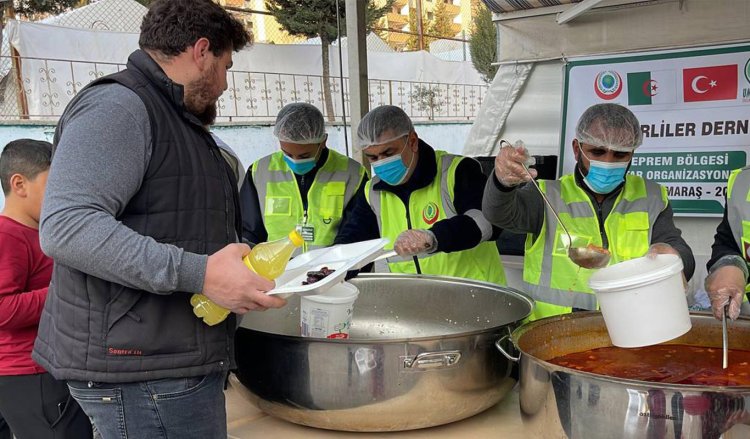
(58,61)
(109,15)
(525,100)
(374,43)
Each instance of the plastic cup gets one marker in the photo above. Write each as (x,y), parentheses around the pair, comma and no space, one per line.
(328,315)
(643,300)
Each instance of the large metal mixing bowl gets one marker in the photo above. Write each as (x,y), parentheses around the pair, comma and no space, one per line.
(560,402)
(420,353)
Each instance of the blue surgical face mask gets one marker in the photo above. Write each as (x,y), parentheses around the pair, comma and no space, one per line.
(604,177)
(301,166)
(392,170)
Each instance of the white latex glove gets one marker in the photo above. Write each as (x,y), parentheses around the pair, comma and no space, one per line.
(413,242)
(726,284)
(661,248)
(508,169)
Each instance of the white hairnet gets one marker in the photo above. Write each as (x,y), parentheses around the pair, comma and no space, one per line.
(383,124)
(300,122)
(611,126)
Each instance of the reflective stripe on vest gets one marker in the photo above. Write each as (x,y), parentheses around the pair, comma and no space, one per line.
(427,206)
(549,274)
(334,186)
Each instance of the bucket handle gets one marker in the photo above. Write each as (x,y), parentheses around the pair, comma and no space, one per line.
(499,346)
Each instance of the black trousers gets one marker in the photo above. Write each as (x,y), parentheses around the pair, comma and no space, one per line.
(40,407)
(4,429)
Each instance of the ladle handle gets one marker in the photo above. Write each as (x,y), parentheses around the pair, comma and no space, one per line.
(724,339)
(541,192)
(547,202)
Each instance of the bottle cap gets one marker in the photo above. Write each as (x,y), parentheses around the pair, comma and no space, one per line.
(296,238)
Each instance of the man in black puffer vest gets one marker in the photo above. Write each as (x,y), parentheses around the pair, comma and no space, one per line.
(138,198)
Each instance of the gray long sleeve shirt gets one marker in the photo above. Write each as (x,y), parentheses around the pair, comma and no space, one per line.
(522,210)
(99,164)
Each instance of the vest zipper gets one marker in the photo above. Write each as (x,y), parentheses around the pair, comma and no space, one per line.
(602,235)
(408,224)
(305,205)
(227,182)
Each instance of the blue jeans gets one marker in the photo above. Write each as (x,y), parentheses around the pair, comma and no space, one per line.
(172,408)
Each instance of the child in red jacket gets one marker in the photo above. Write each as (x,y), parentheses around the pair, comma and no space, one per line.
(33,403)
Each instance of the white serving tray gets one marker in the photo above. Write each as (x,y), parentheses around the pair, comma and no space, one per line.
(342,258)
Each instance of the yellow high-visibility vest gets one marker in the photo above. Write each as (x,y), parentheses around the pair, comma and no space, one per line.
(334,186)
(738,211)
(552,279)
(427,206)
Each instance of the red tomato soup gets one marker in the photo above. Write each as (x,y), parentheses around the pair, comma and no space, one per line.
(674,364)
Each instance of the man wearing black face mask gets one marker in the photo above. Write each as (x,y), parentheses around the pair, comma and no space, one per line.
(600,203)
(304,186)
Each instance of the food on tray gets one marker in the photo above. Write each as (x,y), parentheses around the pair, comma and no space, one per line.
(314,276)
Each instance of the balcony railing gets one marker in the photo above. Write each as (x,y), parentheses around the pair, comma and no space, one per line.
(39,89)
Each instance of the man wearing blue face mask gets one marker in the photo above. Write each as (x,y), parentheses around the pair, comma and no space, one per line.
(304,186)
(600,204)
(426,202)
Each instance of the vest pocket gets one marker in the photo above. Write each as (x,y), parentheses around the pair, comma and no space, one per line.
(332,201)
(120,305)
(278,206)
(632,237)
(145,324)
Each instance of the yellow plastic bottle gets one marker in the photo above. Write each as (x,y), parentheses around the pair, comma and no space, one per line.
(268,259)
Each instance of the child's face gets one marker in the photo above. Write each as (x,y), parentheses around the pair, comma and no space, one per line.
(26,196)
(35,195)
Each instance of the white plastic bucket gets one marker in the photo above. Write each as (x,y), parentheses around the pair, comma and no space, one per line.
(328,315)
(643,300)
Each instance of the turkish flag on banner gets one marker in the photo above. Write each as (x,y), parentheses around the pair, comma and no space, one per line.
(714,83)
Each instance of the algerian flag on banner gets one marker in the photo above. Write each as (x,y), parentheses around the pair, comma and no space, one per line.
(646,88)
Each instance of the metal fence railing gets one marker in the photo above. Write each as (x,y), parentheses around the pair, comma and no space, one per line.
(39,89)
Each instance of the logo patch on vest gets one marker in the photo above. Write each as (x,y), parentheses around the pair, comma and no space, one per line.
(430,213)
(124,351)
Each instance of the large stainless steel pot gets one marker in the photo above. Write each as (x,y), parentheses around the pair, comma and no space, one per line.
(559,402)
(420,353)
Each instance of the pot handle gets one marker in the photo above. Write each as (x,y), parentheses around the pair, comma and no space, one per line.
(432,360)
(499,346)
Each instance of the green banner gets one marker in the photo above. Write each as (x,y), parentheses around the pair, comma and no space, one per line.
(713,167)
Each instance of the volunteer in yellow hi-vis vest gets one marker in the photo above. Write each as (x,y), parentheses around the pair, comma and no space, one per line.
(599,203)
(727,281)
(304,186)
(427,202)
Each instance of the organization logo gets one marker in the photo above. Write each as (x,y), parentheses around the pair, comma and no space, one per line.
(746,90)
(430,213)
(747,70)
(711,83)
(608,85)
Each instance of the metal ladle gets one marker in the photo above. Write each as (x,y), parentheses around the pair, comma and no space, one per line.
(584,257)
(724,339)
